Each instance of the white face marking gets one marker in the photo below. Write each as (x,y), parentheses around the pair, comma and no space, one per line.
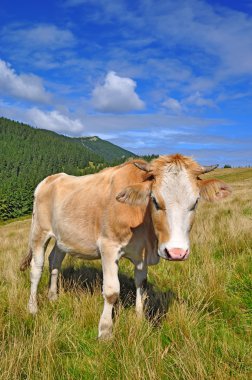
(179,196)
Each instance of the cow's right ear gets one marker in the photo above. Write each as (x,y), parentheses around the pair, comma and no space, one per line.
(213,190)
(136,195)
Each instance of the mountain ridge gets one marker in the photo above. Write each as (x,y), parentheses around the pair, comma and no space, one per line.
(109,151)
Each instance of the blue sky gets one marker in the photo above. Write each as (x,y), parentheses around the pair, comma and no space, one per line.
(152,76)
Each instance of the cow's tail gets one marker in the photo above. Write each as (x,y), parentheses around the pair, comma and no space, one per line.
(25,263)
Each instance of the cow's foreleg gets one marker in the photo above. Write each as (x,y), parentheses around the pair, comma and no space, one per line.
(140,281)
(111,290)
(55,260)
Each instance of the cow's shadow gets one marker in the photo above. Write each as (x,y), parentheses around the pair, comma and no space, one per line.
(88,279)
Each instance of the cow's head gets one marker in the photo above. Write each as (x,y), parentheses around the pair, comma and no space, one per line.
(172,189)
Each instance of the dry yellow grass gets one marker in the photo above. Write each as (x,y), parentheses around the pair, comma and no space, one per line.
(199,312)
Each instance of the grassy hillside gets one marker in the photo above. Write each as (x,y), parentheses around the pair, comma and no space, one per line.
(106,149)
(199,319)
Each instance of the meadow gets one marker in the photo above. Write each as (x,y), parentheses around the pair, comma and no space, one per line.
(198,312)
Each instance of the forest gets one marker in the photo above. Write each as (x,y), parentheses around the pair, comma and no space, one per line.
(27,155)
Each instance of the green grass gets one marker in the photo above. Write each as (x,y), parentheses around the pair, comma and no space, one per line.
(21,218)
(199,312)
(233,174)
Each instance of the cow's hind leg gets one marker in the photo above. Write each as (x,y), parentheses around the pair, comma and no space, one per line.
(140,282)
(55,260)
(111,289)
(38,246)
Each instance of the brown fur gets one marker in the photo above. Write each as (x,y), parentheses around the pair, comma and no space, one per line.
(174,162)
(135,195)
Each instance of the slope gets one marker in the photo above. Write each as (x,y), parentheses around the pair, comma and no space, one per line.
(110,152)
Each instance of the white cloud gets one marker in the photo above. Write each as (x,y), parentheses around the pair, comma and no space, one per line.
(38,36)
(39,45)
(117,94)
(161,122)
(24,86)
(196,99)
(218,36)
(172,105)
(54,121)
(221,33)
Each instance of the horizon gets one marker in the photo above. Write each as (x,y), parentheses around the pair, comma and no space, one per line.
(223,166)
(150,77)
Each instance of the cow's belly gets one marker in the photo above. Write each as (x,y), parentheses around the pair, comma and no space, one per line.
(74,228)
(81,251)
(86,256)
(76,239)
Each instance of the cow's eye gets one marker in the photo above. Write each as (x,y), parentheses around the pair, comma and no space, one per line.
(155,203)
(194,206)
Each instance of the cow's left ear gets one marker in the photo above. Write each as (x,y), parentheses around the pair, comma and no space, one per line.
(137,195)
(213,189)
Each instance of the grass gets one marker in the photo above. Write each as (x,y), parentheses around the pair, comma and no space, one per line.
(199,312)
(20,219)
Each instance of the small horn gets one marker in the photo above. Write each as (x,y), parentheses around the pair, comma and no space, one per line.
(207,169)
(142,166)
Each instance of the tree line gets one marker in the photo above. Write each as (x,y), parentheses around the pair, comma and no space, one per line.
(27,155)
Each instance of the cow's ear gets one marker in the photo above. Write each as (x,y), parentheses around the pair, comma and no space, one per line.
(136,195)
(214,190)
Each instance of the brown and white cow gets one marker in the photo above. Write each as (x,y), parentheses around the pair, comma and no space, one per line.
(138,210)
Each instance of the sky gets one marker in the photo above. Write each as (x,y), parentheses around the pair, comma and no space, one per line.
(153,76)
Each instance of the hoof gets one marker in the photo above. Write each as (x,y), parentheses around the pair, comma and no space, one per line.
(140,314)
(104,336)
(52,296)
(105,332)
(32,308)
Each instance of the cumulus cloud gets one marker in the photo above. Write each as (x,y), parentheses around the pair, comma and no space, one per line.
(55,121)
(28,87)
(117,94)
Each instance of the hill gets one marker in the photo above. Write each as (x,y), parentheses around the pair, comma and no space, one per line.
(27,155)
(110,152)
(199,313)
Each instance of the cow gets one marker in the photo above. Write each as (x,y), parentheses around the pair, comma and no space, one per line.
(138,210)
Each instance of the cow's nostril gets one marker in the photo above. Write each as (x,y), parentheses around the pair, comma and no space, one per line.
(167,253)
(186,253)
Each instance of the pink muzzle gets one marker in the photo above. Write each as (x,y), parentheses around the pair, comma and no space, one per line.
(177,254)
